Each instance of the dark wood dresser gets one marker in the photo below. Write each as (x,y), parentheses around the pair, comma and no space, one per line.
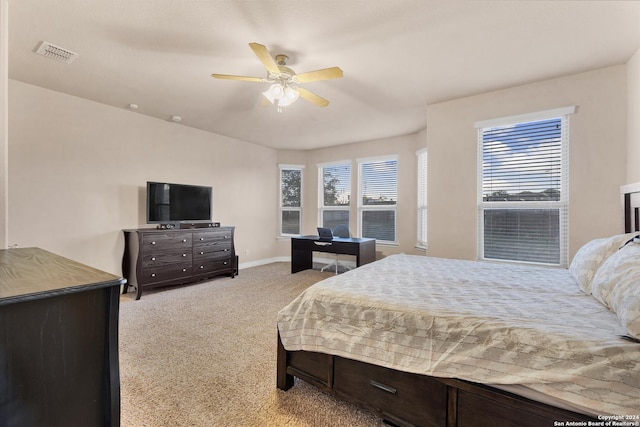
(58,341)
(157,257)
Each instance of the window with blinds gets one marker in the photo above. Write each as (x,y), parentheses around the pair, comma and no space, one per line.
(422,198)
(378,196)
(290,200)
(335,194)
(523,194)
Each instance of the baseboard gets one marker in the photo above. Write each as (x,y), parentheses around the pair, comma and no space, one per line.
(260,262)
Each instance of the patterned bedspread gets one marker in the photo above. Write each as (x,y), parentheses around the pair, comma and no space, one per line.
(478,321)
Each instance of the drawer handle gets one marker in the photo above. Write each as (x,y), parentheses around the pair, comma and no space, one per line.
(202,238)
(226,250)
(184,269)
(153,258)
(184,254)
(202,266)
(153,243)
(153,274)
(184,240)
(225,263)
(383,387)
(201,253)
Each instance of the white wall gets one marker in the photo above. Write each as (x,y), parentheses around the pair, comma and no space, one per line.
(78,171)
(633,119)
(598,157)
(4,111)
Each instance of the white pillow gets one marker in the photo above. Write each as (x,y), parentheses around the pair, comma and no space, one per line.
(591,256)
(616,284)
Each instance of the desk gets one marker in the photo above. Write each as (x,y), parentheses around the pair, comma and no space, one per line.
(302,248)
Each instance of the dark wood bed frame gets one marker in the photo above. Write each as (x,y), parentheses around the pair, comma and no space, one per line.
(406,399)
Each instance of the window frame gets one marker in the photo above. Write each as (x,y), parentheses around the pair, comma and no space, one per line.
(377,208)
(322,208)
(562,205)
(422,158)
(281,208)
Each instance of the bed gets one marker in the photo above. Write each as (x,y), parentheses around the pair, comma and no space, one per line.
(441,342)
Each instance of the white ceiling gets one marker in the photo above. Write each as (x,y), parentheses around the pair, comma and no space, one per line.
(398,56)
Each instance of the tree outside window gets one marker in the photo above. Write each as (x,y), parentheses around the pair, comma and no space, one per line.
(336,195)
(290,200)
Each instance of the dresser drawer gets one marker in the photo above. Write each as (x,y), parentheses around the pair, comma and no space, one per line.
(212,237)
(161,258)
(164,241)
(212,251)
(211,265)
(392,392)
(161,273)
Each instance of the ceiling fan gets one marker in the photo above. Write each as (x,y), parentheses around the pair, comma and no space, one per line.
(285,83)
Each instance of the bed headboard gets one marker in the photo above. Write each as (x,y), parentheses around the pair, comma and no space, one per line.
(631,207)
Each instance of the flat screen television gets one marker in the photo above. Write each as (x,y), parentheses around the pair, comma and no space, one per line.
(170,203)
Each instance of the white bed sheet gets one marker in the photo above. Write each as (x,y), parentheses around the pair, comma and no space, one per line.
(490,323)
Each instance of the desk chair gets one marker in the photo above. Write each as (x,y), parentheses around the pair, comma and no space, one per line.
(341,230)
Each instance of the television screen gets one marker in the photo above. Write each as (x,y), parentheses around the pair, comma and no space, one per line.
(177,202)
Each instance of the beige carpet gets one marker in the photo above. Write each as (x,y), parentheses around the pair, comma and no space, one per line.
(205,355)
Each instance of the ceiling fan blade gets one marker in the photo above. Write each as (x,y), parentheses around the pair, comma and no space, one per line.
(312,97)
(243,78)
(324,74)
(265,57)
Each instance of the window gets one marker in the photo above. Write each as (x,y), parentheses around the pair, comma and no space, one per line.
(378,194)
(422,198)
(335,194)
(523,188)
(290,199)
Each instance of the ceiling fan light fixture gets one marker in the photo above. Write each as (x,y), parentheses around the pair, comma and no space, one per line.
(290,96)
(267,95)
(275,91)
(291,93)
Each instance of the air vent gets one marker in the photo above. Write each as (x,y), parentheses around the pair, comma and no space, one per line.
(56,52)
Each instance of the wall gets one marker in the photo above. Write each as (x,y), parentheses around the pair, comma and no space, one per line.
(633,119)
(78,171)
(598,156)
(4,112)
(404,147)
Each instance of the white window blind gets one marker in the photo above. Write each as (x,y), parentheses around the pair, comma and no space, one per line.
(335,194)
(290,200)
(378,196)
(523,194)
(422,198)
